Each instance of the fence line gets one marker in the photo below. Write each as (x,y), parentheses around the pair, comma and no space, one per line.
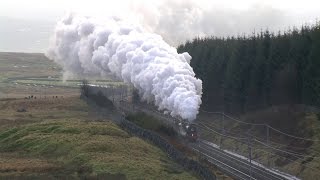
(260,124)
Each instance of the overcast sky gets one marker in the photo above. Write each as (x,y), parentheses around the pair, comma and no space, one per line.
(26,25)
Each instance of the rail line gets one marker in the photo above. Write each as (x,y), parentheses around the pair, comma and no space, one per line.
(236,166)
(232,165)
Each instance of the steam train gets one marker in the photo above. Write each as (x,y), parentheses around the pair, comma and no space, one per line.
(183,127)
(192,134)
(189,131)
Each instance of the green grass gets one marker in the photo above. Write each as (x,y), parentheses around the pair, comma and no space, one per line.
(100,147)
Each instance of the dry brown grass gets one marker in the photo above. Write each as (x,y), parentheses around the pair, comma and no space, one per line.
(11,162)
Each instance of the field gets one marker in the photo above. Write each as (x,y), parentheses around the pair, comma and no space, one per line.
(16,68)
(26,74)
(62,137)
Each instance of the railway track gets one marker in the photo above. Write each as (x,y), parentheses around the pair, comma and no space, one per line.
(232,165)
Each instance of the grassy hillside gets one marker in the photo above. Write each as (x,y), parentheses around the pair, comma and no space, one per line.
(57,138)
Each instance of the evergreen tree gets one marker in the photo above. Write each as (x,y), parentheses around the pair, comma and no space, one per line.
(246,73)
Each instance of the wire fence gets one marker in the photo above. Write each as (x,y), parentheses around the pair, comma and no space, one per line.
(262,124)
(285,155)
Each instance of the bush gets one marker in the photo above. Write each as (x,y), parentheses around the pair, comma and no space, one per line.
(148,122)
(167,130)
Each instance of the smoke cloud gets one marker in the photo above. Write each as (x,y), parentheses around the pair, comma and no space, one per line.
(88,46)
(178,21)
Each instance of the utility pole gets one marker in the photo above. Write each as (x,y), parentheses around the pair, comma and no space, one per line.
(268,139)
(132,97)
(126,88)
(222,129)
(121,93)
(267,134)
(250,153)
(222,120)
(112,94)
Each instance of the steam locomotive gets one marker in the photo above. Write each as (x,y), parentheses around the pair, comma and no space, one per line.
(192,134)
(189,131)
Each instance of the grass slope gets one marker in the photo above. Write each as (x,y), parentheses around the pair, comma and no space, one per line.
(55,139)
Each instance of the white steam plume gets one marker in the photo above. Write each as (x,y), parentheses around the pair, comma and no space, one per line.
(87,46)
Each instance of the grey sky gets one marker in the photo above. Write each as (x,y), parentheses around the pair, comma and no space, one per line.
(27,25)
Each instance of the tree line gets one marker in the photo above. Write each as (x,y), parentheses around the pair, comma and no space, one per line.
(245,73)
